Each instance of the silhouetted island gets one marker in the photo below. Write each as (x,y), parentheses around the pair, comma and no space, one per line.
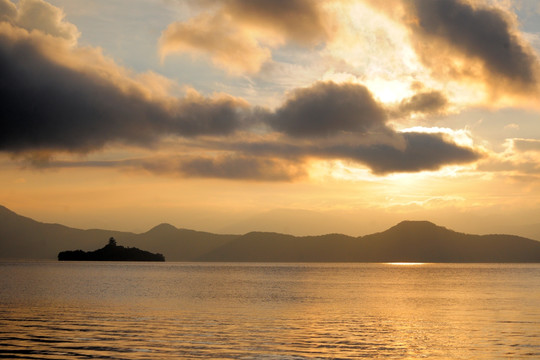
(110,252)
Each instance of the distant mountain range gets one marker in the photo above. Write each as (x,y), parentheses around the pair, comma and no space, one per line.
(408,241)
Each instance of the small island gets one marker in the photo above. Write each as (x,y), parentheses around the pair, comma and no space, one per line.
(110,252)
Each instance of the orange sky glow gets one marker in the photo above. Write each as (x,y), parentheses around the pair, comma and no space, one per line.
(304,117)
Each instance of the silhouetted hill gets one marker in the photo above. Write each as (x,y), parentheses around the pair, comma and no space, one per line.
(180,244)
(161,230)
(110,252)
(274,247)
(423,241)
(22,237)
(419,241)
(409,241)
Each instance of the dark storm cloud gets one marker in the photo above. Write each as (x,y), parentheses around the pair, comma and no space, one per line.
(279,161)
(48,105)
(481,33)
(343,121)
(326,108)
(429,102)
(417,152)
(421,152)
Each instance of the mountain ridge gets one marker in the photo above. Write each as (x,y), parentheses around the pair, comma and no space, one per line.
(415,241)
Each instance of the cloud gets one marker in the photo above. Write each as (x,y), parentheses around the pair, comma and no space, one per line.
(242,167)
(428,102)
(52,107)
(8,10)
(416,152)
(240,34)
(279,160)
(229,166)
(511,126)
(523,145)
(522,169)
(463,41)
(520,160)
(55,96)
(301,21)
(229,46)
(344,121)
(326,109)
(58,97)
(422,151)
(39,15)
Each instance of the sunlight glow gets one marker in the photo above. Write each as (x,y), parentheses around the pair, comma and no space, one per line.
(461,137)
(406,263)
(372,43)
(389,91)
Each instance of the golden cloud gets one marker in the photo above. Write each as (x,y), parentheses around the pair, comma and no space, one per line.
(229,46)
(240,35)
(39,15)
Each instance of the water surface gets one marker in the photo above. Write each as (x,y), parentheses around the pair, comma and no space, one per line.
(96,310)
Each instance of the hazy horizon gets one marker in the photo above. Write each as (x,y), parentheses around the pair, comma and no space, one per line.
(285,221)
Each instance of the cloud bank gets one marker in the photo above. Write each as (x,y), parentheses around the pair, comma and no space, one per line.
(58,97)
(63,98)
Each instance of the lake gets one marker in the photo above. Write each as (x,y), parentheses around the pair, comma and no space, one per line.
(114,310)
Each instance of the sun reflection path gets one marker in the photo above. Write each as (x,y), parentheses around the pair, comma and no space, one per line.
(406,263)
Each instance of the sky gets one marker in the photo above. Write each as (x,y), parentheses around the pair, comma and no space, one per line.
(296,116)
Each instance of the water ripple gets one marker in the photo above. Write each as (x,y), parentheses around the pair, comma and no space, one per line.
(291,312)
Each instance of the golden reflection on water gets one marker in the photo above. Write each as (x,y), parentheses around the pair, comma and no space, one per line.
(269,311)
(406,263)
